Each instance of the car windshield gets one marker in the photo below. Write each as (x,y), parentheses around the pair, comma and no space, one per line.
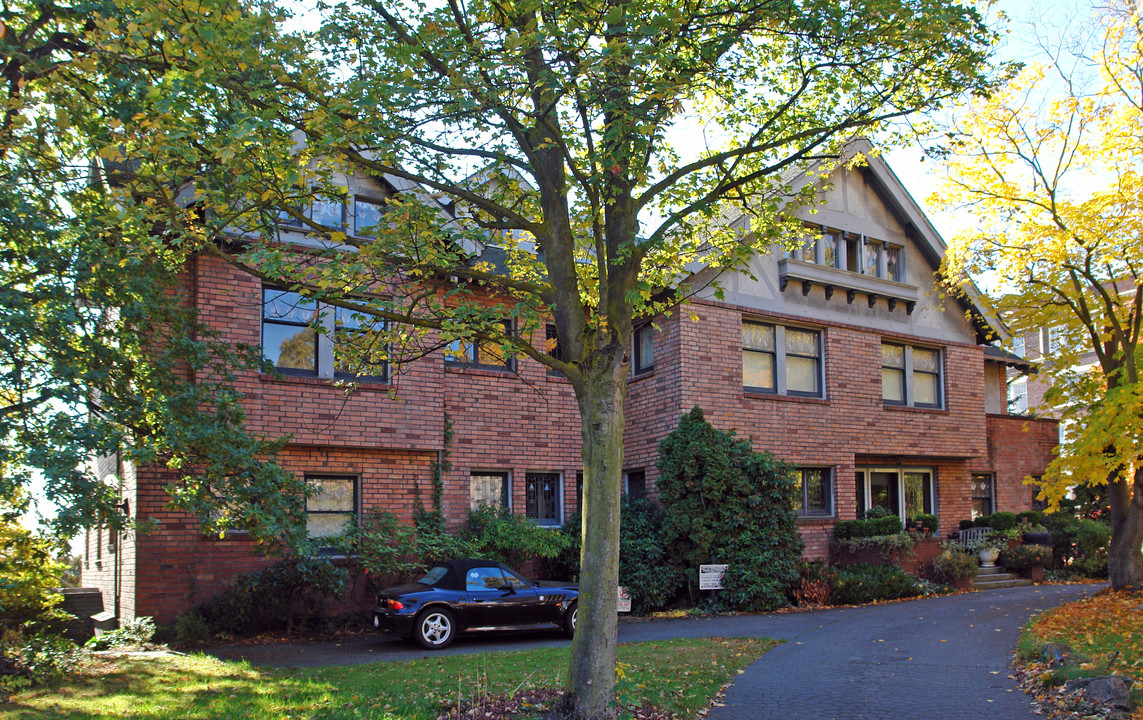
(433,576)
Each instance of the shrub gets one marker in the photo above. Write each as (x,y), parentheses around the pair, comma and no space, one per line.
(30,660)
(965,524)
(813,588)
(1032,517)
(874,527)
(864,583)
(191,629)
(877,512)
(1079,545)
(1002,521)
(645,569)
(384,548)
(952,565)
(274,598)
(502,535)
(132,633)
(929,522)
(1023,557)
(726,503)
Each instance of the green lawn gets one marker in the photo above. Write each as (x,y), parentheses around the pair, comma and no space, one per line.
(680,676)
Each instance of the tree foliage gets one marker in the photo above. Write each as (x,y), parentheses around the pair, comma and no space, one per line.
(727,504)
(560,132)
(1054,178)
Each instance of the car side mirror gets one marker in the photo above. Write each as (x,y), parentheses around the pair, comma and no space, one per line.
(508,589)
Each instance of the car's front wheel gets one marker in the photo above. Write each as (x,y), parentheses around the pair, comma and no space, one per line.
(435,629)
(570,619)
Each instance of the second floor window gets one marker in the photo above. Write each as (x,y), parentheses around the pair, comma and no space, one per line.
(291,342)
(781,360)
(288,337)
(911,376)
(643,350)
(480,353)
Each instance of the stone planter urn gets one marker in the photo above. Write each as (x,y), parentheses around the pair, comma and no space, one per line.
(988,557)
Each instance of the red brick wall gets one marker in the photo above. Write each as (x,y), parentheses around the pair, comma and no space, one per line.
(1017,448)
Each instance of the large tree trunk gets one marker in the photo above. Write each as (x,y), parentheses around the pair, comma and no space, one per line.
(1125,559)
(590,689)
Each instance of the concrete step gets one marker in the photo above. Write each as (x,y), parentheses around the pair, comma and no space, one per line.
(994,570)
(1008,581)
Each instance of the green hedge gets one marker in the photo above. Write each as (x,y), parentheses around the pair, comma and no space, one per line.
(865,583)
(851,529)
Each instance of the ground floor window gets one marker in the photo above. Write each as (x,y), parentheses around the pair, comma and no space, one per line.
(333,507)
(634,484)
(815,491)
(489,489)
(905,492)
(982,497)
(542,493)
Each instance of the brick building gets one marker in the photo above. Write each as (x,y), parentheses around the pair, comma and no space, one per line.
(845,358)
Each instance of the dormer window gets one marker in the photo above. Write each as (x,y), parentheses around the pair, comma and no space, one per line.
(851,252)
(361,215)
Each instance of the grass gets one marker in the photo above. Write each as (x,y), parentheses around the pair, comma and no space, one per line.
(680,676)
(1106,628)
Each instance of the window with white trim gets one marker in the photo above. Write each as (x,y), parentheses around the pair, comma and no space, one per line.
(1018,396)
(781,360)
(911,376)
(635,484)
(905,492)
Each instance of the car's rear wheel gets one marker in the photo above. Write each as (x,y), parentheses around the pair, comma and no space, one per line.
(570,619)
(435,629)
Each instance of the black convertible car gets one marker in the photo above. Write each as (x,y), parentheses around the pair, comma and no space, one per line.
(470,595)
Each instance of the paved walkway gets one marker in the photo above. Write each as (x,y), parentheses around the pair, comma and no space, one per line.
(942,658)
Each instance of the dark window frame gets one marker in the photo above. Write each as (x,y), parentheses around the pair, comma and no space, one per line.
(505,487)
(826,486)
(470,351)
(975,494)
(639,476)
(536,506)
(341,330)
(354,514)
(280,322)
(642,336)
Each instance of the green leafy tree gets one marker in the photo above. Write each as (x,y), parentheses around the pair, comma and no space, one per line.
(29,571)
(563,131)
(101,353)
(727,504)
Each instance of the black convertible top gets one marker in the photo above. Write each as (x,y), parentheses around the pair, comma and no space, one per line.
(457,570)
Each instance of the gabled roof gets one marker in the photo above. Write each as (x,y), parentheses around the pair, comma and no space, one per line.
(917,226)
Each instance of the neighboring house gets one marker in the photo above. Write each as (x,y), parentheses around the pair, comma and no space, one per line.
(845,358)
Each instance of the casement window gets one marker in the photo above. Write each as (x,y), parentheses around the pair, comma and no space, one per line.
(781,360)
(480,353)
(552,347)
(1055,338)
(643,350)
(543,492)
(911,376)
(360,215)
(905,492)
(983,500)
(352,332)
(291,343)
(851,252)
(815,491)
(635,484)
(332,508)
(488,489)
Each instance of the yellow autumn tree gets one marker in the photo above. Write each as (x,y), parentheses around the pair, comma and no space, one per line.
(1051,168)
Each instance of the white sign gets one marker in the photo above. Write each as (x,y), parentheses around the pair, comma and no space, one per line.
(710,576)
(624,603)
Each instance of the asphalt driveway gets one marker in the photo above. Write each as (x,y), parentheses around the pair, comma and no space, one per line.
(943,658)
